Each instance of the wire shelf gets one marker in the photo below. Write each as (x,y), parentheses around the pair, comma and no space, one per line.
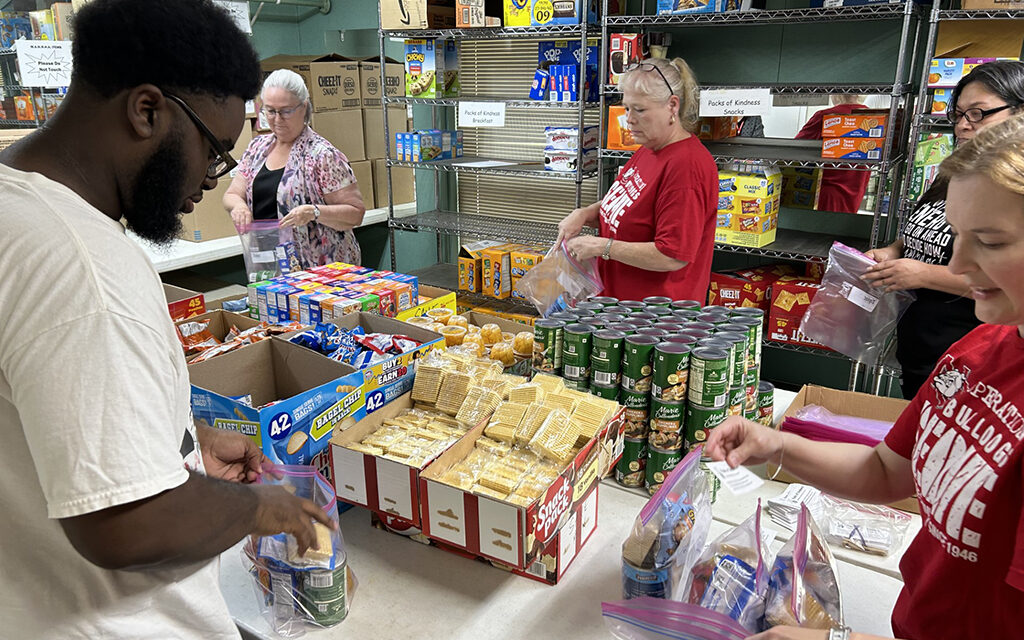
(792,244)
(982,14)
(933,121)
(783,153)
(789,16)
(510,103)
(517,168)
(446,276)
(797,348)
(496,33)
(478,226)
(26,124)
(782,88)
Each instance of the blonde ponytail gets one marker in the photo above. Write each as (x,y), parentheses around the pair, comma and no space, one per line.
(679,78)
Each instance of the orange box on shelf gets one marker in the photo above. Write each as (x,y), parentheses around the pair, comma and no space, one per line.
(496,267)
(619,136)
(786,328)
(718,128)
(471,264)
(182,303)
(525,259)
(869,123)
(852,148)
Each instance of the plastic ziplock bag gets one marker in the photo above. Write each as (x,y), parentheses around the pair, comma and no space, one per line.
(311,591)
(560,281)
(848,314)
(803,588)
(870,528)
(268,249)
(668,535)
(731,576)
(653,619)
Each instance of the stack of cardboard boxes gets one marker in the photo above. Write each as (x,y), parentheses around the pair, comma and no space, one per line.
(494,268)
(748,207)
(347,102)
(854,136)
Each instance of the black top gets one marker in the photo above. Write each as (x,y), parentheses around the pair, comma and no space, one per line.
(264,193)
(936,319)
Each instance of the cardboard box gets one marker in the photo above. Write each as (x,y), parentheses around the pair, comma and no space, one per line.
(791,295)
(373,130)
(867,123)
(332,80)
(369,83)
(624,49)
(852,148)
(424,67)
(363,171)
(496,270)
(43,25)
(718,128)
(471,264)
(759,184)
(475,14)
(786,328)
(417,14)
(209,220)
(848,403)
(931,151)
(514,536)
(63,17)
(312,395)
(452,86)
(221,322)
(403,184)
(343,129)
(801,187)
(746,287)
(744,239)
(183,303)
(430,298)
(619,136)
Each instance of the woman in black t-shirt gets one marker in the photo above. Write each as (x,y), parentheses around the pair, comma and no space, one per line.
(943,312)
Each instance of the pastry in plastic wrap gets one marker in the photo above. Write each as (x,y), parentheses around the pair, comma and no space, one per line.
(502,352)
(522,343)
(491,333)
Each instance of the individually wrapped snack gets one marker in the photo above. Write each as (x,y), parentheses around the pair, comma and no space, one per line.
(458,321)
(526,393)
(453,392)
(668,535)
(479,404)
(803,587)
(503,353)
(219,350)
(870,528)
(556,438)
(195,335)
(491,333)
(440,315)
(731,576)
(533,418)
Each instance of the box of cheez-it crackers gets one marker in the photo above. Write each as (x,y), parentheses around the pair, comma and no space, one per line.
(746,287)
(791,295)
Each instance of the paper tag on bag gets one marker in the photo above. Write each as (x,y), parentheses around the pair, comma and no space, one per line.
(739,480)
(865,301)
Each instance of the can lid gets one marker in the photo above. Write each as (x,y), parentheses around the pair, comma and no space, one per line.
(564,316)
(746,321)
(673,347)
(584,313)
(765,387)
(644,315)
(610,334)
(697,334)
(716,308)
(734,327)
(671,327)
(597,323)
(706,326)
(652,331)
(685,304)
(713,318)
(604,300)
(579,329)
(657,300)
(750,312)
(624,327)
(611,317)
(617,309)
(549,323)
(682,338)
(642,339)
(731,336)
(710,353)
(686,314)
(592,306)
(632,304)
(640,322)
(661,312)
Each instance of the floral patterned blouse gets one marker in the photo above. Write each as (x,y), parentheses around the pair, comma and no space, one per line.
(314,168)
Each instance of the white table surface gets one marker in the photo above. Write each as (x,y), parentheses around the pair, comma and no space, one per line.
(180,254)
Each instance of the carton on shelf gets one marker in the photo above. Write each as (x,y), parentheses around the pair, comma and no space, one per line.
(940,101)
(63,17)
(332,80)
(424,67)
(791,296)
(373,130)
(43,25)
(619,136)
(183,303)
(526,258)
(545,12)
(718,128)
(496,269)
(624,49)
(745,239)
(517,13)
(343,129)
(801,187)
(369,82)
(471,264)
(452,86)
(417,14)
(867,123)
(852,148)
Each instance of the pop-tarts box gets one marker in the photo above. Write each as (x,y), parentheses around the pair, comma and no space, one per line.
(312,396)
(567,52)
(673,7)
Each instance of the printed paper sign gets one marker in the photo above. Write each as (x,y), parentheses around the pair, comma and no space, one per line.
(735,102)
(44,63)
(481,114)
(239,13)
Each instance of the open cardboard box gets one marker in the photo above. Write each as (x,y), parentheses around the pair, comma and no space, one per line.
(522,366)
(850,403)
(524,540)
(436,299)
(313,395)
(221,322)
(183,303)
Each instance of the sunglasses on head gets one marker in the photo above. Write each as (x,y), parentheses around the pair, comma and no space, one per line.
(649,66)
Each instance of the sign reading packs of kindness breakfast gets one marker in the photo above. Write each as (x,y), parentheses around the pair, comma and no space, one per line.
(481,114)
(44,63)
(735,102)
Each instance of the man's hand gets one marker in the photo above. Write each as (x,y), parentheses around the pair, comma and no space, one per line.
(280,512)
(897,275)
(228,455)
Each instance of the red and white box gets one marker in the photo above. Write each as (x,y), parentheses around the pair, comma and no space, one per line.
(791,296)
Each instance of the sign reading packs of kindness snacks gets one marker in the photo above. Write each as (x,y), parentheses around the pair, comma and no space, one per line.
(735,102)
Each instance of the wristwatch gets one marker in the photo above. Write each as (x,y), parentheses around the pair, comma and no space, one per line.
(607,255)
(840,633)
(316,212)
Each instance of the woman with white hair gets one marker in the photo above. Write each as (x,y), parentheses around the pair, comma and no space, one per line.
(297,176)
(657,221)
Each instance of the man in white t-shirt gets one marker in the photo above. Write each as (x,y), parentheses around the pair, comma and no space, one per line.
(112,503)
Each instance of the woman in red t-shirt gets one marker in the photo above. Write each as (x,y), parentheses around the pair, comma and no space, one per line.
(657,221)
(958,445)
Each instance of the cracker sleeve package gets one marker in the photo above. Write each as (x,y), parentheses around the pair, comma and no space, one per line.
(869,528)
(560,281)
(654,619)
(803,588)
(260,242)
(668,535)
(848,314)
(731,576)
(303,592)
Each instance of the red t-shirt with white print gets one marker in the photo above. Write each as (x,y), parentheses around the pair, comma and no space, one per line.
(668,197)
(964,572)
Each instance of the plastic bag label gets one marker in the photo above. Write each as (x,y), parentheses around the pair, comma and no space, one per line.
(858,297)
(739,480)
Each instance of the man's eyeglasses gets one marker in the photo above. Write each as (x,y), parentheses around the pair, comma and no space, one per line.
(281,113)
(223,162)
(648,66)
(974,116)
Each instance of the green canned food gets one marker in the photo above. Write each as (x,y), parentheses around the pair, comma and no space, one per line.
(577,340)
(685,305)
(696,334)
(750,401)
(671,369)
(685,315)
(666,425)
(766,403)
(709,377)
(657,301)
(645,315)
(714,484)
(714,319)
(717,309)
(738,361)
(584,313)
(636,422)
(652,331)
(671,327)
(632,305)
(606,392)
(582,384)
(748,312)
(660,463)
(604,301)
(547,345)
(625,327)
(567,317)
(699,422)
(635,399)
(323,585)
(590,306)
(737,401)
(753,329)
(595,322)
(637,359)
(752,377)
(630,470)
(606,357)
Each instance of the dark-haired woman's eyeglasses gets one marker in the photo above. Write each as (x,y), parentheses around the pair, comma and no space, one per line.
(648,66)
(223,162)
(974,116)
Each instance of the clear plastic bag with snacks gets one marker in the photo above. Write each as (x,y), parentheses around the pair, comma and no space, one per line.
(847,313)
(268,250)
(803,588)
(731,576)
(869,528)
(300,592)
(668,535)
(560,281)
(653,619)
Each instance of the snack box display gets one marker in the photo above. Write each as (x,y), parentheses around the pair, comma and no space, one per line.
(746,287)
(551,12)
(470,264)
(223,327)
(745,239)
(568,138)
(429,298)
(801,187)
(718,128)
(931,151)
(526,258)
(619,136)
(624,49)
(868,123)
(566,53)
(754,223)
(852,148)
(940,101)
(496,270)
(791,296)
(945,73)
(183,303)
(784,328)
(517,13)
(677,7)
(760,184)
(425,67)
(565,161)
(738,205)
